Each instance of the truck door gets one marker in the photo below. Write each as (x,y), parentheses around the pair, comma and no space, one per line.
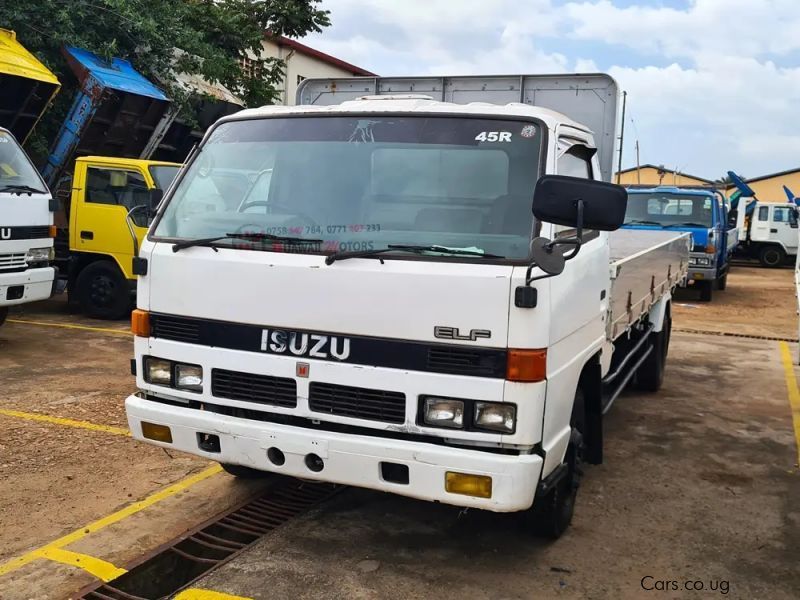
(102,197)
(760,224)
(783,227)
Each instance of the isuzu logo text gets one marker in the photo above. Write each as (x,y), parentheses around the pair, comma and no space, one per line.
(453,333)
(5,233)
(311,345)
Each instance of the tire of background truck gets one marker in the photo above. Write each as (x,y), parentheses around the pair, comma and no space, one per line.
(706,290)
(771,256)
(102,291)
(551,515)
(722,282)
(650,375)
(244,472)
(3,314)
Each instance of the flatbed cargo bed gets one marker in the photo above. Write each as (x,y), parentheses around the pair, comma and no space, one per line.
(644,265)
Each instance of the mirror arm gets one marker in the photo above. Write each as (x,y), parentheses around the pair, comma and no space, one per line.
(129,223)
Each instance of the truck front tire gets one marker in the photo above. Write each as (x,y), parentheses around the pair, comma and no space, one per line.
(551,515)
(722,282)
(3,314)
(706,290)
(103,291)
(771,256)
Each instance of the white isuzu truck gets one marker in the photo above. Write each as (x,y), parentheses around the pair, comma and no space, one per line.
(407,285)
(26,232)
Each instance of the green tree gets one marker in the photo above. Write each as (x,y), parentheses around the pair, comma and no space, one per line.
(215,36)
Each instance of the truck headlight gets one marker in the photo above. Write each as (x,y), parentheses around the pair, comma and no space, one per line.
(699,261)
(189,377)
(37,255)
(495,416)
(444,412)
(158,371)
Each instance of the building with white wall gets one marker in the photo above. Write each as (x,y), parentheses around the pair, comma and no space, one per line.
(304,62)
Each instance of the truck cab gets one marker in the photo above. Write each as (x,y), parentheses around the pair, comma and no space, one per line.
(26,232)
(416,295)
(774,232)
(97,238)
(701,212)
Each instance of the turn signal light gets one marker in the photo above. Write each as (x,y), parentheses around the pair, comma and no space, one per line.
(140,323)
(159,433)
(52,231)
(526,365)
(479,486)
(711,249)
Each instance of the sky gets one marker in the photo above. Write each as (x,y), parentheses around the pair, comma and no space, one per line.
(713,85)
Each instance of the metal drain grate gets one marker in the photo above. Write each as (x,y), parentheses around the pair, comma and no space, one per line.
(178,563)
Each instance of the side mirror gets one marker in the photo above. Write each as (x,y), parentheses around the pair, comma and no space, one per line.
(577,202)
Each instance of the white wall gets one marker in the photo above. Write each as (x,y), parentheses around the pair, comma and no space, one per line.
(302,65)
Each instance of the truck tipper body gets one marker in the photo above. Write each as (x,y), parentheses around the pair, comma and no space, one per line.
(26,232)
(26,87)
(404,294)
(703,213)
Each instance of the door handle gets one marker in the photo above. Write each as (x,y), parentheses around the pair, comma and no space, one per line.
(87,235)
(773,231)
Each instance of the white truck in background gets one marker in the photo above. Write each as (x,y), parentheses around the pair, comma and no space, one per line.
(421,296)
(770,234)
(26,231)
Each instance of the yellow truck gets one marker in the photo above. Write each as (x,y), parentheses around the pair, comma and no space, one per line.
(95,245)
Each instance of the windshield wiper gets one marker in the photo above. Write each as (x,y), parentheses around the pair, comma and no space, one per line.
(255,236)
(21,189)
(641,222)
(331,258)
(686,225)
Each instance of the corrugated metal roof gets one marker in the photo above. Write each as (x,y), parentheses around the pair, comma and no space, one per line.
(16,60)
(119,74)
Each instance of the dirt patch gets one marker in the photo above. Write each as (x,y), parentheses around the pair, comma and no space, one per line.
(756,301)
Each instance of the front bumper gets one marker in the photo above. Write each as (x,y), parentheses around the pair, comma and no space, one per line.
(703,273)
(37,284)
(348,459)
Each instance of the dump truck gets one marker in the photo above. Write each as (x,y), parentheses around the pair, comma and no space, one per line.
(115,113)
(100,225)
(408,285)
(26,229)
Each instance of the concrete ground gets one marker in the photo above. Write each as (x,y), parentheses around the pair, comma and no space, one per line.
(700,485)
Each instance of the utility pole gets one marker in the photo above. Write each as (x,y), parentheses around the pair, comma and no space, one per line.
(638,174)
(621,135)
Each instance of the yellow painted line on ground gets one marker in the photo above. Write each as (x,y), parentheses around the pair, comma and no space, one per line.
(70,326)
(95,566)
(67,422)
(198,594)
(794,393)
(22,560)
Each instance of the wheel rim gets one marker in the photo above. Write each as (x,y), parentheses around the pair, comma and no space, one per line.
(102,291)
(772,257)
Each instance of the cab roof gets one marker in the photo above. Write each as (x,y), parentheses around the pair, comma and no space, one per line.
(140,162)
(672,189)
(416,103)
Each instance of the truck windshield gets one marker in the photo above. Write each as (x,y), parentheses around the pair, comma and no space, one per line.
(362,183)
(17,174)
(669,210)
(163,175)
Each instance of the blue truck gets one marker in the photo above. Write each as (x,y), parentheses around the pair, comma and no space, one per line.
(703,212)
